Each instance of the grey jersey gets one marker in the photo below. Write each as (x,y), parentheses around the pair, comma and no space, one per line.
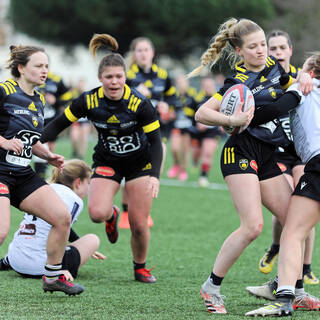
(305,124)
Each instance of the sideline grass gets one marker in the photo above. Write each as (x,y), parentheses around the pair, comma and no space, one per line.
(190,224)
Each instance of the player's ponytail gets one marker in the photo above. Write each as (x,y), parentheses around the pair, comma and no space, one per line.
(112,59)
(229,36)
(100,40)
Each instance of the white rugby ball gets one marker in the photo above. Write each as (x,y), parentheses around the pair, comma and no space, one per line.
(230,103)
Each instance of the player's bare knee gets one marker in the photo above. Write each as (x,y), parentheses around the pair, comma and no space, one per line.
(94,239)
(254,231)
(98,214)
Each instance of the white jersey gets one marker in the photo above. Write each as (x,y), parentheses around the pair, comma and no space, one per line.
(27,251)
(305,124)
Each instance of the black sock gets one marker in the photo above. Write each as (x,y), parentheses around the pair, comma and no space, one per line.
(215,279)
(275,248)
(299,284)
(124,207)
(137,266)
(111,219)
(306,268)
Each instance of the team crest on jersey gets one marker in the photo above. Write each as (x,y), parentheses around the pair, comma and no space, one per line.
(147,167)
(3,189)
(113,119)
(104,171)
(35,121)
(254,165)
(32,107)
(243,164)
(272,92)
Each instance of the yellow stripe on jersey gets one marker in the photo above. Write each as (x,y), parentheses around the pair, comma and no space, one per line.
(154,68)
(188,111)
(88,101)
(92,101)
(127,92)
(172,90)
(218,96)
(242,77)
(288,84)
(134,103)
(11,87)
(100,93)
(135,68)
(5,88)
(270,62)
(12,82)
(239,68)
(162,74)
(228,156)
(70,115)
(151,127)
(66,96)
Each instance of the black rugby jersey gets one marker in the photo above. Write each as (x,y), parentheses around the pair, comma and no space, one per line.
(266,88)
(185,109)
(157,81)
(55,86)
(122,125)
(21,117)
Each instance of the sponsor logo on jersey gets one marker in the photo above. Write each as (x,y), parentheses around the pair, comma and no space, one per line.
(147,167)
(128,124)
(105,171)
(32,107)
(257,89)
(35,121)
(21,112)
(254,165)
(3,189)
(243,164)
(113,119)
(282,166)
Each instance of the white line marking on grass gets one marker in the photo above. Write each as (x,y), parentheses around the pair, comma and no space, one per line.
(191,184)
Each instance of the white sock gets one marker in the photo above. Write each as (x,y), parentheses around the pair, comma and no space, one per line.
(299,292)
(210,287)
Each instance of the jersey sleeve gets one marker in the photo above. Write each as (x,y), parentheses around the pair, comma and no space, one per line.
(294,89)
(77,109)
(229,82)
(147,117)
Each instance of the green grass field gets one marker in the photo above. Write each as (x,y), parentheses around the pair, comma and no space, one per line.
(190,224)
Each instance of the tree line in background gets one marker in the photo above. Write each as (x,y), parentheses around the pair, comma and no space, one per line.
(178,28)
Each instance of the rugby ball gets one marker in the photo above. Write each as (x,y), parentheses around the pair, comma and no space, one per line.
(237,96)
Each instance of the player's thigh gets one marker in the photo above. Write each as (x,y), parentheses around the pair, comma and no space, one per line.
(47,205)
(276,193)
(139,197)
(101,193)
(247,200)
(303,215)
